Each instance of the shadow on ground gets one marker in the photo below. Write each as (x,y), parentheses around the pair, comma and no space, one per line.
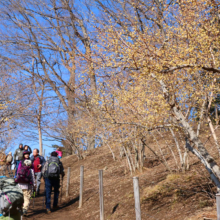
(38,208)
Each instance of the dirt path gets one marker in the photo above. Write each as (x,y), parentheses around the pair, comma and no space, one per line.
(37,209)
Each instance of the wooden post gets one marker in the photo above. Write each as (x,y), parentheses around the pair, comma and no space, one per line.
(68,182)
(137,198)
(81,186)
(218,205)
(101,195)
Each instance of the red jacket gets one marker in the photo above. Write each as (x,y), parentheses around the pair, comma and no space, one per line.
(36,163)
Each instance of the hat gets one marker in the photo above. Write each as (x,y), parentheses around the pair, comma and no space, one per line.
(9,153)
(26,152)
(54,154)
(28,162)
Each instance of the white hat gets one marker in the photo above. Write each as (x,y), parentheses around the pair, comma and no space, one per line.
(28,162)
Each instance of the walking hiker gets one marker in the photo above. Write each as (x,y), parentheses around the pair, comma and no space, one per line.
(18,156)
(26,181)
(51,173)
(59,153)
(27,148)
(26,156)
(9,160)
(38,163)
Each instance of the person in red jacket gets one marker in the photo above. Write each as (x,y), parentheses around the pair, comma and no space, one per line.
(38,163)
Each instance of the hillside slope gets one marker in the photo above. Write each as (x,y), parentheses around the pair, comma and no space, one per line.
(163,195)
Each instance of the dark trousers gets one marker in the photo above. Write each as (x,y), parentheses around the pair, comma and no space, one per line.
(8,166)
(49,183)
(10,173)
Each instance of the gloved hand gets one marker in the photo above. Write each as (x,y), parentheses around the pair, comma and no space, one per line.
(33,194)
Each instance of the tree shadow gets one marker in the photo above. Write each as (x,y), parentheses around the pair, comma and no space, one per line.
(43,210)
(37,212)
(71,202)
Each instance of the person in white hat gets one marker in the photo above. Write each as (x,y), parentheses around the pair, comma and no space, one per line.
(26,181)
(8,160)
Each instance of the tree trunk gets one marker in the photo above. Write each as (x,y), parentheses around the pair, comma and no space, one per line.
(213,134)
(39,116)
(177,165)
(202,153)
(129,162)
(40,136)
(131,159)
(178,147)
(155,154)
(201,116)
(137,159)
(186,160)
(142,154)
(90,142)
(214,177)
(162,155)
(216,115)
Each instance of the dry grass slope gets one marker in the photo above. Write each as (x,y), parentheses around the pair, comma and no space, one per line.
(164,195)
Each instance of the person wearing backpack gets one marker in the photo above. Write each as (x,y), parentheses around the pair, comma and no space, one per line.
(18,156)
(9,160)
(51,173)
(38,163)
(26,181)
(26,156)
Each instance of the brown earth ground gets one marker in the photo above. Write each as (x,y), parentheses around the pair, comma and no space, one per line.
(164,195)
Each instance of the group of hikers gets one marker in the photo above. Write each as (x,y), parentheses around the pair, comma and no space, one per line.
(28,173)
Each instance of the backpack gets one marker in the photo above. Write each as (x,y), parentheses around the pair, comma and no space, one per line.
(53,170)
(9,159)
(24,175)
(11,196)
(2,157)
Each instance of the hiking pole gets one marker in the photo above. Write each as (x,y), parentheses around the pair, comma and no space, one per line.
(61,191)
(43,199)
(33,198)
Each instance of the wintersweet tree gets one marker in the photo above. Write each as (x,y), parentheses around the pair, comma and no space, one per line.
(161,63)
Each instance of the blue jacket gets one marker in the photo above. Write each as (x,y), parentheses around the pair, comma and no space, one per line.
(42,160)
